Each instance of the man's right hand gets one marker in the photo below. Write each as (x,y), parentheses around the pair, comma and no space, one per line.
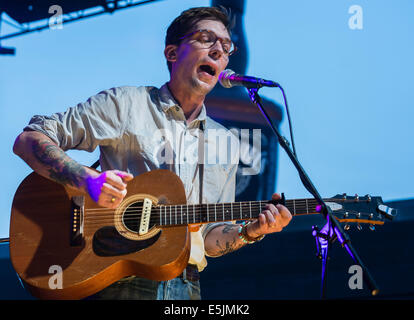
(108,188)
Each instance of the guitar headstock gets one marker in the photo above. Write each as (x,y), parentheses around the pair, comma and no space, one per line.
(360,210)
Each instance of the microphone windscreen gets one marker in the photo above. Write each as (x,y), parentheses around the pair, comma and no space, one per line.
(224,78)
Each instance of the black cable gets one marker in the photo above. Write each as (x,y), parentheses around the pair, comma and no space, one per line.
(289,121)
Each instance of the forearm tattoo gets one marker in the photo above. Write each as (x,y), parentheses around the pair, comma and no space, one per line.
(61,168)
(225,246)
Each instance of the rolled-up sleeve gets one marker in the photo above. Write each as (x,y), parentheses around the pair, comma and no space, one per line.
(98,121)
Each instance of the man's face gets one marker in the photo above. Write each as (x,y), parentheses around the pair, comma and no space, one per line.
(196,67)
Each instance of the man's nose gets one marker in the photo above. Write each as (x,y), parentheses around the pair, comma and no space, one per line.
(216,51)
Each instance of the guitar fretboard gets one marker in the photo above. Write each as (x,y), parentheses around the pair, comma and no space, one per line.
(174,215)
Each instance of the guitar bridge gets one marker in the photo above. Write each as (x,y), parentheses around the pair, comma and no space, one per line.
(76,225)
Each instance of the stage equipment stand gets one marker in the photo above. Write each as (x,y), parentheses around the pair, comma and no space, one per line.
(332,230)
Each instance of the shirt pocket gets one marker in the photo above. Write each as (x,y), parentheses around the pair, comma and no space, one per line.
(155,150)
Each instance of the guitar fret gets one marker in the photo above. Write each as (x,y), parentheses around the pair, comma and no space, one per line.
(206,219)
(229,212)
(241,215)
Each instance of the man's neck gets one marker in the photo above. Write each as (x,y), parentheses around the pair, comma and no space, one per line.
(190,102)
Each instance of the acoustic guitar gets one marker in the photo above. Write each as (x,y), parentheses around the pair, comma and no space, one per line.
(64,246)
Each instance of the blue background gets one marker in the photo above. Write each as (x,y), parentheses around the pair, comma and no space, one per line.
(350,92)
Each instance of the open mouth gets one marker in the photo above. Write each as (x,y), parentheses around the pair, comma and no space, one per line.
(208,69)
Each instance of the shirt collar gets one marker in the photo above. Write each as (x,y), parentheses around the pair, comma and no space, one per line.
(167,102)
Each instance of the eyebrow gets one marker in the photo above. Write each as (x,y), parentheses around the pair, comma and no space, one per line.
(224,38)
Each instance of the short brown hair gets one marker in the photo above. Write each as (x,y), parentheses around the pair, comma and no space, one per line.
(186,21)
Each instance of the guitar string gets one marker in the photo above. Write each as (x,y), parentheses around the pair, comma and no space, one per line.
(234,205)
(195,208)
(173,215)
(171,221)
(295,203)
(157,213)
(177,216)
(174,221)
(161,213)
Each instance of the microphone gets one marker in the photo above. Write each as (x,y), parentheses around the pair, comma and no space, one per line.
(228,78)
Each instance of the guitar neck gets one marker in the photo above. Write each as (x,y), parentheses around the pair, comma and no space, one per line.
(175,215)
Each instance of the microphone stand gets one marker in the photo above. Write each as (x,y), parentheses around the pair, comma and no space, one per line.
(332,230)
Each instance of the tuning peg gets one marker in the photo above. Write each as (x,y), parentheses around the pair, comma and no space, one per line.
(359,227)
(344,196)
(387,212)
(371,227)
(368,198)
(347,227)
(358,215)
(356,198)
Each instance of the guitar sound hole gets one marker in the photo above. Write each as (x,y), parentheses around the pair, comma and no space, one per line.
(132,216)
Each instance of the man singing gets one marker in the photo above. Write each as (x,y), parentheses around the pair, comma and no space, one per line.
(125,121)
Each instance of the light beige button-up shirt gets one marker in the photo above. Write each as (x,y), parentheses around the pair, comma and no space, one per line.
(139,129)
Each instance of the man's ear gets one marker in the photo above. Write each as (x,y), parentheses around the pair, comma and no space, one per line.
(170,52)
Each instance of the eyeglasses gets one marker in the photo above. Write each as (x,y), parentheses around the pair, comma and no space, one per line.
(208,39)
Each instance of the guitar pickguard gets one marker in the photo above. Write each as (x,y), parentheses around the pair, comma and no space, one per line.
(107,242)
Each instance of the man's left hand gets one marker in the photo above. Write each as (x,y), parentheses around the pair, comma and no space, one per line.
(272,219)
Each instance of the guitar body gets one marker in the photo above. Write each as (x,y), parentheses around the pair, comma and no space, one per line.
(55,264)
